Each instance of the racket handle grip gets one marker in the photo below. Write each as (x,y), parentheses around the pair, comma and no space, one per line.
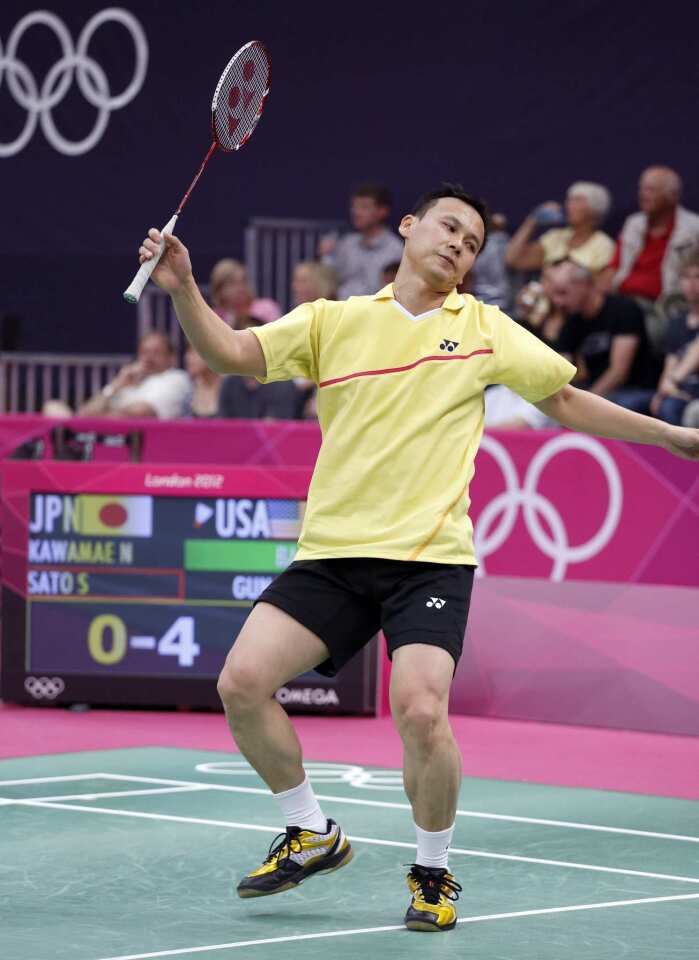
(133,292)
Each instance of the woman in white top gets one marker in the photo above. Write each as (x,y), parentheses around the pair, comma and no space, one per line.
(586,206)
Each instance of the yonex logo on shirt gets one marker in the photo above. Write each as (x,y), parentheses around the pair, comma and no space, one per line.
(449,345)
(435,602)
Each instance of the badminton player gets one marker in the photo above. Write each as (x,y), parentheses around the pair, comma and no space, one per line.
(386,539)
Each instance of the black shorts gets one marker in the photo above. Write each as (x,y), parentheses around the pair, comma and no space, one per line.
(347,601)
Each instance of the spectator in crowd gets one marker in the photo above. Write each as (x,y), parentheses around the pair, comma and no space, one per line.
(605,336)
(652,241)
(679,383)
(203,398)
(586,207)
(151,386)
(245,398)
(313,281)
(360,257)
(489,279)
(535,309)
(234,300)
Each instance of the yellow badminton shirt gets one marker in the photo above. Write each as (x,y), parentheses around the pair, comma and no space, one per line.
(400,404)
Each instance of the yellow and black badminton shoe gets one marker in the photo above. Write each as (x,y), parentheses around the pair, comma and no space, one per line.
(432,906)
(294,856)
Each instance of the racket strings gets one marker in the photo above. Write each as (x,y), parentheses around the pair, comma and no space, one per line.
(240,96)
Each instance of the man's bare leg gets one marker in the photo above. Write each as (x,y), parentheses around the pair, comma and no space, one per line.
(271,649)
(420,682)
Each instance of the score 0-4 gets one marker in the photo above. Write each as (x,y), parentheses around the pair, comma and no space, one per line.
(108,641)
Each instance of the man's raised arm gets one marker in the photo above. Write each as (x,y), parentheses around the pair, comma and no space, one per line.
(224,350)
(588,413)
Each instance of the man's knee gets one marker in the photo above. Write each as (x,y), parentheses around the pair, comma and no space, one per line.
(421,716)
(241,688)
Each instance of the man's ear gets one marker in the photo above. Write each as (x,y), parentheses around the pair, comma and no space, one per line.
(405,225)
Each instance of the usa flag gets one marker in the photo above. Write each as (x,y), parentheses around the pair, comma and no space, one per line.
(285,518)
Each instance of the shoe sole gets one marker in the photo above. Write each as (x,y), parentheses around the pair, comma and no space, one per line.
(426,927)
(336,862)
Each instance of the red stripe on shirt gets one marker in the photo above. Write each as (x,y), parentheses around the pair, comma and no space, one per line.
(409,366)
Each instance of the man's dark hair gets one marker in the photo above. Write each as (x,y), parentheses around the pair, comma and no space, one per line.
(377,192)
(455,190)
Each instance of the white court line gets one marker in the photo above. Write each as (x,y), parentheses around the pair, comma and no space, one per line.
(350,933)
(234,825)
(156,791)
(259,791)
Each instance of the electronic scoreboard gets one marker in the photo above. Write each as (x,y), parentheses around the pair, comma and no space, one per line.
(128,585)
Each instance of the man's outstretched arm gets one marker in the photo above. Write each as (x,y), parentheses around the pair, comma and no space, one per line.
(588,413)
(225,350)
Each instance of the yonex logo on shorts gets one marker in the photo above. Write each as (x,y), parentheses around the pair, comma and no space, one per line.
(435,602)
(449,345)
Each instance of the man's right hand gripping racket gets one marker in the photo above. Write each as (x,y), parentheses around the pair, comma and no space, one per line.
(239,100)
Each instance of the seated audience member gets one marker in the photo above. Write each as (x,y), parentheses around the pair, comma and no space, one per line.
(586,206)
(244,398)
(605,336)
(313,281)
(535,309)
(652,241)
(359,257)
(489,278)
(679,383)
(149,387)
(388,274)
(202,401)
(233,299)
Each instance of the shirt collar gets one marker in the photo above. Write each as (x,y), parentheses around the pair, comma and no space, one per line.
(454,300)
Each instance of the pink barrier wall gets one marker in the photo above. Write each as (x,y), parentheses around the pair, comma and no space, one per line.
(587,606)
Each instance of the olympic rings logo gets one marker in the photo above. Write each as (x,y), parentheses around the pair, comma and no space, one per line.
(44,688)
(358,777)
(75,61)
(534,506)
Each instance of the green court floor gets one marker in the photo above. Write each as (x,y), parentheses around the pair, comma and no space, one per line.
(135,853)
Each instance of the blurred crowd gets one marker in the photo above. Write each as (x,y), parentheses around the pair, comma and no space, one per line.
(624,310)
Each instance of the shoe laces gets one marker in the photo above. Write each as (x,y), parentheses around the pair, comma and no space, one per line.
(435,883)
(284,844)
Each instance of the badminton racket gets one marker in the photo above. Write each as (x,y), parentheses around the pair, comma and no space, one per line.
(239,100)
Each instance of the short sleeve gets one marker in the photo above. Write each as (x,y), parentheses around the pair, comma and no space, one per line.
(166,393)
(290,344)
(555,244)
(525,364)
(628,319)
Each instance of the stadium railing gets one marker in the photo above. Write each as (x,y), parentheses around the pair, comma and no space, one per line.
(28,380)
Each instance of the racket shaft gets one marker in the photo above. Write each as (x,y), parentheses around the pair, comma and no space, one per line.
(133,292)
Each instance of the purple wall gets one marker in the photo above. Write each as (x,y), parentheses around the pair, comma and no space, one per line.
(515,100)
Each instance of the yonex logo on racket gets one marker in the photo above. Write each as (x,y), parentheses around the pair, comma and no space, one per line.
(39,100)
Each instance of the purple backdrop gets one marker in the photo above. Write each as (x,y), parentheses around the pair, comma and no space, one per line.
(515,100)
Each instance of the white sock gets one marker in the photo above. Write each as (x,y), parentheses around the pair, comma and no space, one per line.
(301,809)
(433,848)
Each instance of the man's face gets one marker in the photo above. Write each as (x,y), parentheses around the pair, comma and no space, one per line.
(444,242)
(655,193)
(366,213)
(689,285)
(567,291)
(304,285)
(154,355)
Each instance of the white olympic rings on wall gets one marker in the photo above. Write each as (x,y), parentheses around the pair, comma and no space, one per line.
(358,777)
(74,62)
(44,688)
(555,545)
